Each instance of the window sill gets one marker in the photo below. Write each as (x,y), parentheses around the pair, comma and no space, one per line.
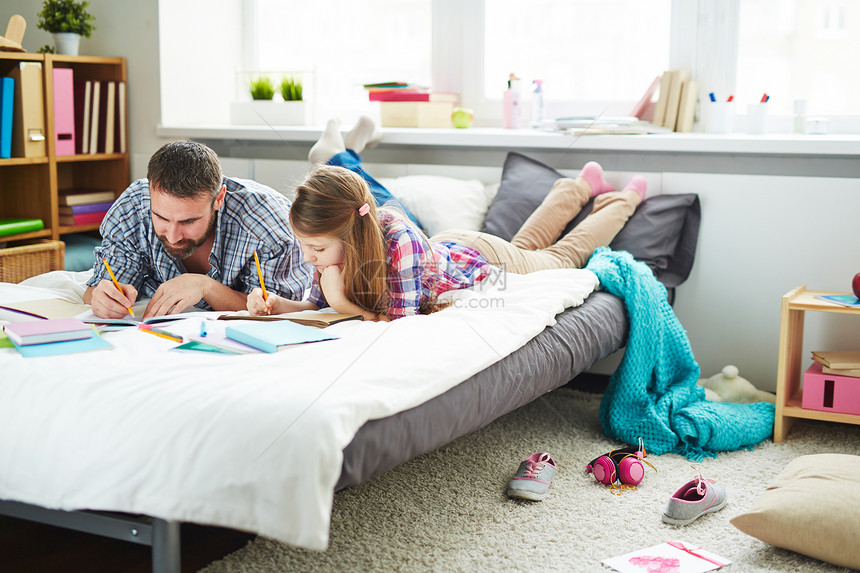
(836,145)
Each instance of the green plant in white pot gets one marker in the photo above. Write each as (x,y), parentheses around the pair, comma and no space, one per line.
(291,88)
(67,20)
(262,89)
(263,110)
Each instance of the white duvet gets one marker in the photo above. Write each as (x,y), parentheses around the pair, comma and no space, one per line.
(251,442)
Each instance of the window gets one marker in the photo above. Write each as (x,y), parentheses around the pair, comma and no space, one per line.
(594,56)
(339,45)
(800,50)
(583,50)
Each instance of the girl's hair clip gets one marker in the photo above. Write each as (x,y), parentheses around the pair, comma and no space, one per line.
(364,210)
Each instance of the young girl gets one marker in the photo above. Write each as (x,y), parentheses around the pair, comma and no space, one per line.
(376,263)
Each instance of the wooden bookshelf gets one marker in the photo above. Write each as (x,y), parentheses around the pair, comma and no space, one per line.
(29,186)
(789,392)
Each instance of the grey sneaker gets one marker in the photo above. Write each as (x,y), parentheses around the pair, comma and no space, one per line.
(695,498)
(533,478)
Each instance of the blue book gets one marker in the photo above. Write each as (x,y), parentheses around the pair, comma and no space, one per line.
(7,97)
(842,299)
(66,347)
(269,336)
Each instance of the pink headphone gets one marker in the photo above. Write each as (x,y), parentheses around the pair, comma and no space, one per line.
(624,465)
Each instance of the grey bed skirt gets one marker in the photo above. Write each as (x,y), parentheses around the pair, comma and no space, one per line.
(582,336)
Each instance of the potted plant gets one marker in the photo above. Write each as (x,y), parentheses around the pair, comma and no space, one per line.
(291,88)
(67,20)
(264,110)
(262,89)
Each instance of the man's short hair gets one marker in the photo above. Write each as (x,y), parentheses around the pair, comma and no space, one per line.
(185,169)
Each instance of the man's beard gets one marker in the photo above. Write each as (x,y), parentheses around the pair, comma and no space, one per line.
(187,247)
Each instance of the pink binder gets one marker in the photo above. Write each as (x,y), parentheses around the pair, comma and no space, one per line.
(64,111)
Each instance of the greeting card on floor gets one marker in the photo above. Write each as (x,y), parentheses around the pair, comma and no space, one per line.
(669,557)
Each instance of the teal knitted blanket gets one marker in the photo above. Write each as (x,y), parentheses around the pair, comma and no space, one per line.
(653,394)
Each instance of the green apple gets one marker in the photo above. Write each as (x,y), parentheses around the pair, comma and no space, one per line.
(462,117)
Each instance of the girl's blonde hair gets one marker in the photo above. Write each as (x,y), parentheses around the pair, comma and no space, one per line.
(327,202)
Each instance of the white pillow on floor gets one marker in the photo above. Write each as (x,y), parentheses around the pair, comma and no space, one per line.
(443,203)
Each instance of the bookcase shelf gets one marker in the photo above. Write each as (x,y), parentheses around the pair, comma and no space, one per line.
(789,392)
(29,186)
(23,161)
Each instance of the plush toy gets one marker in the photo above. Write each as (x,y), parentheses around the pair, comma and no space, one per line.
(727,386)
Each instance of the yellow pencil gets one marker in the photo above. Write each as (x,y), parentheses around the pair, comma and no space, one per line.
(116,284)
(260,272)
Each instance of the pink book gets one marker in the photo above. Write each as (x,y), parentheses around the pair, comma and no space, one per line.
(406,95)
(64,111)
(82,218)
(43,331)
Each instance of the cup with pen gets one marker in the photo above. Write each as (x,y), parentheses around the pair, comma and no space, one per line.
(757,116)
(720,116)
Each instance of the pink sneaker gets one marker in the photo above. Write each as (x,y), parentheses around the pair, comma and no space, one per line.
(533,477)
(694,499)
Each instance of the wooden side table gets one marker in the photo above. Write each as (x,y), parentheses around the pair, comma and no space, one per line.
(789,372)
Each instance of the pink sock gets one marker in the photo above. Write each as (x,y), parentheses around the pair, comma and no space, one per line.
(638,184)
(592,172)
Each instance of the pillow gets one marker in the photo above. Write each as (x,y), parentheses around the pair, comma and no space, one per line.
(443,203)
(811,508)
(662,233)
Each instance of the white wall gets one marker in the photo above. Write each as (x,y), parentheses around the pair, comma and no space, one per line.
(760,237)
(194,35)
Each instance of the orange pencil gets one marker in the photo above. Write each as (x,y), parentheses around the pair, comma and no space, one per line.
(116,284)
(260,272)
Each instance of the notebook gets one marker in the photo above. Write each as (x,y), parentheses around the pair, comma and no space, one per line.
(44,331)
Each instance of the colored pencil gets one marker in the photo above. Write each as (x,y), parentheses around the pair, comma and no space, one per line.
(162,334)
(116,284)
(260,272)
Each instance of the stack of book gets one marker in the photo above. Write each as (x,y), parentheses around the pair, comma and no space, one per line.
(99,109)
(84,206)
(45,331)
(405,105)
(838,362)
(54,336)
(675,107)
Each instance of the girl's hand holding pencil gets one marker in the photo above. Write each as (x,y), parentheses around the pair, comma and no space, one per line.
(258,305)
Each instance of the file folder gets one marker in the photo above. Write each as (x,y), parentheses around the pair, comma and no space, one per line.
(28,124)
(64,111)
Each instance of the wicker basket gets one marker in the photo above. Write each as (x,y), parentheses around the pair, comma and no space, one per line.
(22,262)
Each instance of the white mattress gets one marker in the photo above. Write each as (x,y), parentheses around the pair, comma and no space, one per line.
(251,442)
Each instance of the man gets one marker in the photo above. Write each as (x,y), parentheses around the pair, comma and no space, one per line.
(186,236)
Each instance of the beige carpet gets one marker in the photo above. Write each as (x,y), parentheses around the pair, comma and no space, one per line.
(447,510)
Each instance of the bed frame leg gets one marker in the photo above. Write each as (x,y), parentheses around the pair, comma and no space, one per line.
(166,557)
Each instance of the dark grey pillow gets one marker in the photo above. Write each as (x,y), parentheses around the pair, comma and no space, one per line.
(662,232)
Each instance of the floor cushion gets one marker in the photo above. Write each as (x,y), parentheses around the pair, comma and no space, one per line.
(811,507)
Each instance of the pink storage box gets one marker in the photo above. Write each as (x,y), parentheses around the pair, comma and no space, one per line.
(830,393)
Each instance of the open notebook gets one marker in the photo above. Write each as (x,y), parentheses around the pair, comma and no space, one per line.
(317,318)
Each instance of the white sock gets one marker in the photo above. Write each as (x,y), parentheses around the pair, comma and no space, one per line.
(330,143)
(365,135)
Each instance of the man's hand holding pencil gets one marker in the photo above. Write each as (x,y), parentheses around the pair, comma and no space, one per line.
(112,299)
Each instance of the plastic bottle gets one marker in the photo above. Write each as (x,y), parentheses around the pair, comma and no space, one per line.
(799,116)
(511,103)
(537,103)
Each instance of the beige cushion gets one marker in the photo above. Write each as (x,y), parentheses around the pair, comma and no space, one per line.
(812,507)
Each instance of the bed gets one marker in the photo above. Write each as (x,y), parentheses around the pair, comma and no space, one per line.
(140,439)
